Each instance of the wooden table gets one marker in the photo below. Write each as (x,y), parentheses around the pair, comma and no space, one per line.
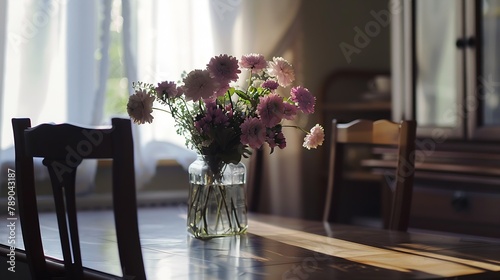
(278,248)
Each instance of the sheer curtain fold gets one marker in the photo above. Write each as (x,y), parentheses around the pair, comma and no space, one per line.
(87,36)
(33,56)
(103,63)
(144,169)
(254,27)
(3,43)
(160,48)
(50,70)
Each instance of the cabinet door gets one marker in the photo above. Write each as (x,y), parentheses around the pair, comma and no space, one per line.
(483,70)
(438,67)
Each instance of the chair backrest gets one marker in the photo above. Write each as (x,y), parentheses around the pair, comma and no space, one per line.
(62,148)
(380,132)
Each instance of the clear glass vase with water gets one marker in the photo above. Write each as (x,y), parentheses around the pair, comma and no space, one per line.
(217,200)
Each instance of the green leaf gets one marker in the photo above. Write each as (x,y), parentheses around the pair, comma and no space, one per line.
(242,94)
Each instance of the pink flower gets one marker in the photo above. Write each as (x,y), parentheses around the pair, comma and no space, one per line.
(254,62)
(304,99)
(221,90)
(282,70)
(271,109)
(275,139)
(223,68)
(140,107)
(253,133)
(290,111)
(199,85)
(213,116)
(166,90)
(315,138)
(280,139)
(270,85)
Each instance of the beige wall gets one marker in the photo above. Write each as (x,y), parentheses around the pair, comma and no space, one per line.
(326,25)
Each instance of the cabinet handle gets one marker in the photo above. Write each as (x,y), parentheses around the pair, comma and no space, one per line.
(471,42)
(460,43)
(460,201)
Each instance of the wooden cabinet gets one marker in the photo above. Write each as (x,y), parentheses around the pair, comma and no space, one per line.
(456,208)
(456,188)
(348,94)
(446,73)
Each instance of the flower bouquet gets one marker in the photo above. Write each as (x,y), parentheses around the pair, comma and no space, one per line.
(223,122)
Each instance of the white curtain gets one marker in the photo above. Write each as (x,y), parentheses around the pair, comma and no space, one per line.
(3,35)
(161,40)
(49,70)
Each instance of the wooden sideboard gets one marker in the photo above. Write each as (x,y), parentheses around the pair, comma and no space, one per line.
(456,188)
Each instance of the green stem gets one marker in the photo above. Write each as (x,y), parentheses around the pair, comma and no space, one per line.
(250,80)
(297,127)
(219,204)
(163,110)
(194,198)
(204,211)
(222,192)
(235,214)
(230,100)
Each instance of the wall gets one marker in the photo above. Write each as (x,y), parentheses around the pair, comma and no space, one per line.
(328,25)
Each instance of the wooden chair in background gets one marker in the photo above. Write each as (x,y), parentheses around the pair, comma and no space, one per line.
(381,132)
(52,143)
(254,180)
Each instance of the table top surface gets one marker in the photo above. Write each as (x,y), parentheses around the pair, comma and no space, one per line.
(278,248)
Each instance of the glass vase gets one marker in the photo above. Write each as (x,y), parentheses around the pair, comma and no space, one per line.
(217,202)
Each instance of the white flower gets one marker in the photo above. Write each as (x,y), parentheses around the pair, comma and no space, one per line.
(282,70)
(315,138)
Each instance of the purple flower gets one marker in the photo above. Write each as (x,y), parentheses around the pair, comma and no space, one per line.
(253,133)
(213,116)
(304,99)
(254,62)
(290,111)
(270,85)
(199,85)
(275,139)
(223,68)
(166,90)
(271,109)
(140,107)
(222,90)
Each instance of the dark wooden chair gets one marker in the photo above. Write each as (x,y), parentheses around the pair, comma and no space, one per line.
(62,148)
(377,133)
(254,179)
